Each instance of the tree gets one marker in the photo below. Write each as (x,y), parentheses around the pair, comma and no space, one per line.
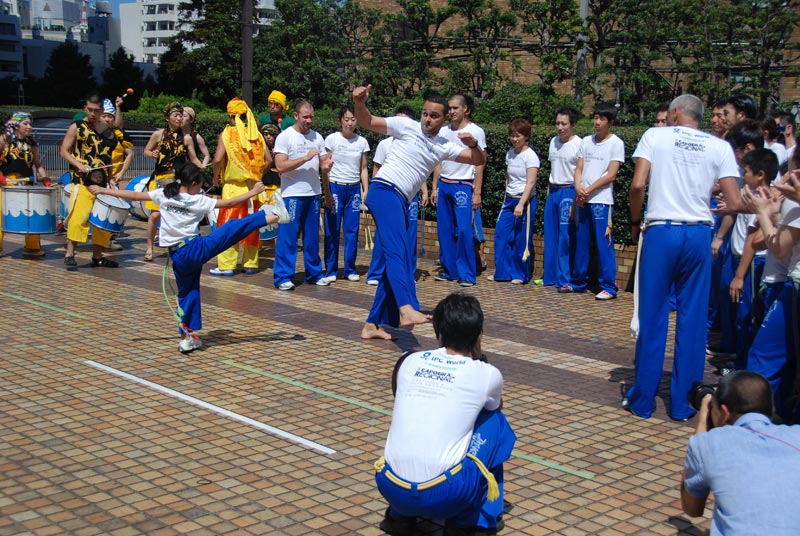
(302,54)
(121,74)
(405,49)
(177,73)
(68,77)
(483,41)
(213,43)
(555,26)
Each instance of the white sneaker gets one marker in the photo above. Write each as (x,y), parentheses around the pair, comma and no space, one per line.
(186,345)
(223,273)
(354,277)
(325,281)
(279,208)
(373,282)
(604,295)
(286,285)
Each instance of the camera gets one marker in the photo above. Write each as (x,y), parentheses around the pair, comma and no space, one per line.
(696,394)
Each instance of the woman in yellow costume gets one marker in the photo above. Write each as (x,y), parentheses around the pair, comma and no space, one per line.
(238,164)
(19,155)
(168,147)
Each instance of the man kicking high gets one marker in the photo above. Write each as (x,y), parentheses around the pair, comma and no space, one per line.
(416,150)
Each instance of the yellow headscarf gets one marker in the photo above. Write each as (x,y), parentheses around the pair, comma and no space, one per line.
(249,132)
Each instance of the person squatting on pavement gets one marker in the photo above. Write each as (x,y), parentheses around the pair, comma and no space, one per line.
(416,150)
(448,463)
(681,164)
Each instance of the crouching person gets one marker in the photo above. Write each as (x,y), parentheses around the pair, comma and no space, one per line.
(448,438)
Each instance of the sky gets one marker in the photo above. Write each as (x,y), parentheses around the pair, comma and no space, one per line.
(115,4)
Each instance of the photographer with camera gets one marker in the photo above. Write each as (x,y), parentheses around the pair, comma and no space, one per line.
(751,465)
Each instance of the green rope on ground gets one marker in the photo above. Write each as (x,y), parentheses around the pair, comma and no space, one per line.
(177,312)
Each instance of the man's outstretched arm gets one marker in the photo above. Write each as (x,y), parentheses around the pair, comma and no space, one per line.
(363,116)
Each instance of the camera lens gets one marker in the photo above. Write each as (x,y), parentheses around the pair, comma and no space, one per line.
(697,393)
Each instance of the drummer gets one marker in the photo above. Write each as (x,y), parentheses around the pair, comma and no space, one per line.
(87,146)
(19,156)
(122,155)
(168,147)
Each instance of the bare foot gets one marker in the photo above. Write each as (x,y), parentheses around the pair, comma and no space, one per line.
(374,331)
(410,317)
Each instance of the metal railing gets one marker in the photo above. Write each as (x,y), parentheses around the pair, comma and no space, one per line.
(49,140)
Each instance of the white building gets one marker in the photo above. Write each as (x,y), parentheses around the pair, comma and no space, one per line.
(150,24)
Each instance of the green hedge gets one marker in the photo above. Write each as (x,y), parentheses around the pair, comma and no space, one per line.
(210,124)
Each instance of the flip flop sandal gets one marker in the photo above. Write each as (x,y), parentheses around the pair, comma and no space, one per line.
(104,262)
(148,256)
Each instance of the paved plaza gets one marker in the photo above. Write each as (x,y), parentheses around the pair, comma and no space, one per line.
(274,425)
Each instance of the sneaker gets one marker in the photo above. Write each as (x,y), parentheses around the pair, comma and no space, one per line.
(441,277)
(354,277)
(286,285)
(516,281)
(565,289)
(538,282)
(465,283)
(70,261)
(279,208)
(323,282)
(724,371)
(249,271)
(490,277)
(186,345)
(33,252)
(224,273)
(373,282)
(604,295)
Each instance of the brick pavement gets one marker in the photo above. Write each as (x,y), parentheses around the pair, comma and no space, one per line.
(86,451)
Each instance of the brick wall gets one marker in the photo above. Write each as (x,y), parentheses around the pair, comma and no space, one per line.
(626,255)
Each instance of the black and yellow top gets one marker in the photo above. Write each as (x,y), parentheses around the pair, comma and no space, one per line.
(92,148)
(171,152)
(17,159)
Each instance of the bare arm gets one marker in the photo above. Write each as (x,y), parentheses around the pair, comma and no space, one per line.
(641,176)
(130,195)
(284,165)
(607,178)
(187,141)
(530,185)
(473,154)
(779,238)
(151,149)
(66,146)
(477,185)
(363,116)
(257,188)
(125,164)
(437,171)
(37,163)
(364,174)
(201,144)
(220,160)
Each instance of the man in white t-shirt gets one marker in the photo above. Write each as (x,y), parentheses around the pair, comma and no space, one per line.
(599,160)
(559,231)
(377,263)
(456,192)
(448,438)
(416,149)
(682,164)
(299,156)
